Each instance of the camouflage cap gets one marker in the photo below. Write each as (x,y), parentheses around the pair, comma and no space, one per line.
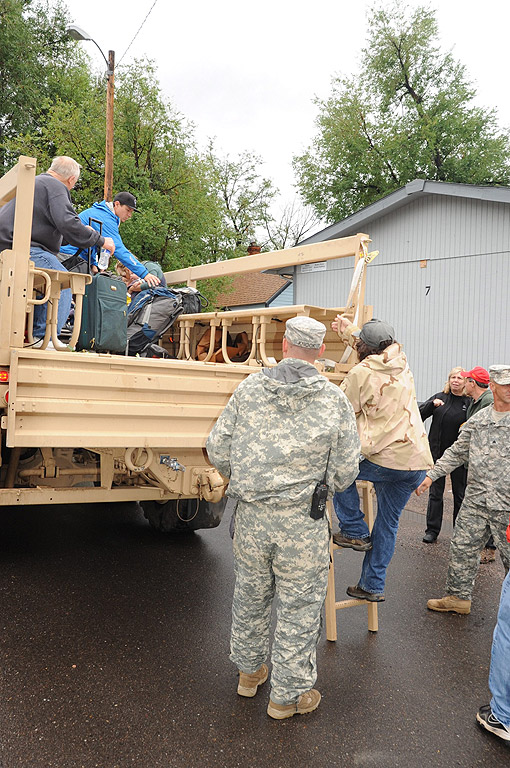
(305,332)
(375,332)
(500,374)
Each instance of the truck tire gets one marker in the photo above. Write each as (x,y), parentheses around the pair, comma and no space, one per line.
(183,515)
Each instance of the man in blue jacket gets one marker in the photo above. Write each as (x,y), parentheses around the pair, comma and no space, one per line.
(111,215)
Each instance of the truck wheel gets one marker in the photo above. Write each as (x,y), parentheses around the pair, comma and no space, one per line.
(183,515)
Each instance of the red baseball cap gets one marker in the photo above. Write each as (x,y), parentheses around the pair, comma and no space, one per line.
(477,373)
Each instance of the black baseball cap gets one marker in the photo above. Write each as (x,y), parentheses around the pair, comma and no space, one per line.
(126,198)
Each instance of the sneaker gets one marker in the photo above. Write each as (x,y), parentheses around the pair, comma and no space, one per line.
(362,594)
(248,684)
(450,603)
(488,555)
(307,702)
(361,545)
(487,720)
(39,342)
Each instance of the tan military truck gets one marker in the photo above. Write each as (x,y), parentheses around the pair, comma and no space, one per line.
(85,427)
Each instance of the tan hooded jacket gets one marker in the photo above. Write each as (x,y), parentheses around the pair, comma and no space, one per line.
(381,391)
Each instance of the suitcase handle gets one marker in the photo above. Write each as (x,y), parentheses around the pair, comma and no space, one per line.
(89,250)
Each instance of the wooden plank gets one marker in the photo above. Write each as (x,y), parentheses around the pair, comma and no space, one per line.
(332,605)
(289,257)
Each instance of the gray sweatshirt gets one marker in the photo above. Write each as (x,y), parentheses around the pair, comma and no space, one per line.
(54,219)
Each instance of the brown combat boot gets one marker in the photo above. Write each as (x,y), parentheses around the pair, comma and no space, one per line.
(248,684)
(450,603)
(307,702)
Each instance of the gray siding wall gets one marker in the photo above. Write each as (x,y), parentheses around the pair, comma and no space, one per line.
(453,312)
(285,298)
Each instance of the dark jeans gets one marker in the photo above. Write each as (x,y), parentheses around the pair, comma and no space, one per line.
(393,488)
(435,503)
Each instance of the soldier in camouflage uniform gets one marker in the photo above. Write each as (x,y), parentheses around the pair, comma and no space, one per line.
(273,442)
(483,443)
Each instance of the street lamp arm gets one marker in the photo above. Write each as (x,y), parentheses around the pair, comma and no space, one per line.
(108,70)
(77,33)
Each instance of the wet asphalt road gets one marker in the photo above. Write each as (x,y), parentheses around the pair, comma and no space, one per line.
(114,653)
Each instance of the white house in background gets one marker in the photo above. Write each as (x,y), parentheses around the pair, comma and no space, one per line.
(442,276)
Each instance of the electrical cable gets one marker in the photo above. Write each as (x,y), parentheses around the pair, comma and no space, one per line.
(137,33)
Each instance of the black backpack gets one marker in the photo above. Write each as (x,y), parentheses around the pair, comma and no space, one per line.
(192,300)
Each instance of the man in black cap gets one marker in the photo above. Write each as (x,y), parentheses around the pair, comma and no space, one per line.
(111,215)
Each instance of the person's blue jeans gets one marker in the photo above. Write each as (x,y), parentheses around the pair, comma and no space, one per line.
(47,260)
(393,488)
(499,675)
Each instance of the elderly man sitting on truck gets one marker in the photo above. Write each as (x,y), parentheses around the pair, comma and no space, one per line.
(109,216)
(54,219)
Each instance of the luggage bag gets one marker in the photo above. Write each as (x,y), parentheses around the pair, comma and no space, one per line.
(104,316)
(150,316)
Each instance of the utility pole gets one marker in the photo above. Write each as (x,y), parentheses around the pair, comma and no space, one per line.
(108,163)
(77,33)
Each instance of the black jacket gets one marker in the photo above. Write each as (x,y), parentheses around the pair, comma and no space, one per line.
(446,420)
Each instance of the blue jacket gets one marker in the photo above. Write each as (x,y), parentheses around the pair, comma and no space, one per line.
(102,212)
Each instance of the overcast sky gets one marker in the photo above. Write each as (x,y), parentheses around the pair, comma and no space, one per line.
(246,73)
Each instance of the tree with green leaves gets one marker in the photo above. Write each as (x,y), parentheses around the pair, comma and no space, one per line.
(194,207)
(409,113)
(38,65)
(155,157)
(245,197)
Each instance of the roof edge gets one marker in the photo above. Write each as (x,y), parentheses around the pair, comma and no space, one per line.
(394,200)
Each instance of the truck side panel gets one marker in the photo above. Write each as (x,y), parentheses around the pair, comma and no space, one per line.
(106,401)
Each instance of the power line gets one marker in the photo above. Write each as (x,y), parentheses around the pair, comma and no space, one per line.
(138,31)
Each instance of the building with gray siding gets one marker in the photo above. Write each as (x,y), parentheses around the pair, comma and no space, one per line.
(441,276)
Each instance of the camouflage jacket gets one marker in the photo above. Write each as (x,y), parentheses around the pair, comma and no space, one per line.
(273,437)
(381,391)
(485,444)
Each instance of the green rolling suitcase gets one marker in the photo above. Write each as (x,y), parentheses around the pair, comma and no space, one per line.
(104,316)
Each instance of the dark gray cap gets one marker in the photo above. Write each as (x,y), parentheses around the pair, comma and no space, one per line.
(500,374)
(375,332)
(305,332)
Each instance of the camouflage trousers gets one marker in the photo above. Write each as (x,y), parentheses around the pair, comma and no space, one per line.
(279,551)
(472,529)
